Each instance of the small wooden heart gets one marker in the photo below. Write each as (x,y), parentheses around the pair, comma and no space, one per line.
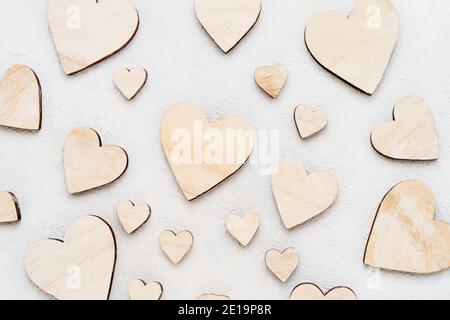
(139,290)
(309,121)
(81,267)
(271,78)
(358,48)
(301,196)
(282,264)
(213,296)
(9,209)
(130,81)
(411,136)
(175,246)
(242,228)
(131,216)
(20,99)
(227,21)
(404,236)
(87,31)
(88,164)
(309,291)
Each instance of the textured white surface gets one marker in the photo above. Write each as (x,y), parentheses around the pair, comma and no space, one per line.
(185,65)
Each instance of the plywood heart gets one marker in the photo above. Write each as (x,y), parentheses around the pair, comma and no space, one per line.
(176,245)
(271,78)
(9,208)
(309,291)
(242,228)
(309,121)
(282,264)
(132,216)
(139,290)
(130,81)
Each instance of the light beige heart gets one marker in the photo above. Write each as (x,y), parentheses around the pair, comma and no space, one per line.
(132,216)
(176,246)
(20,99)
(203,154)
(9,209)
(213,296)
(309,291)
(139,290)
(271,78)
(88,164)
(81,267)
(309,121)
(130,81)
(301,196)
(404,236)
(411,136)
(357,49)
(243,228)
(227,21)
(88,31)
(282,264)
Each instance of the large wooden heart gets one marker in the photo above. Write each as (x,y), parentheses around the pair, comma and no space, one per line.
(81,267)
(404,236)
(309,291)
(202,154)
(88,31)
(358,48)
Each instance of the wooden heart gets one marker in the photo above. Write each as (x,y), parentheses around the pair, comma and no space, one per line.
(300,196)
(20,99)
(81,267)
(202,154)
(282,264)
(271,78)
(131,216)
(411,136)
(130,81)
(242,228)
(358,48)
(90,165)
(88,31)
(9,209)
(139,290)
(213,296)
(175,246)
(404,236)
(227,21)
(308,121)
(309,291)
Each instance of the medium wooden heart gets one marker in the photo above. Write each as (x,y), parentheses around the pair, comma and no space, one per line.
(309,121)
(404,236)
(88,31)
(90,165)
(282,264)
(300,196)
(309,291)
(81,267)
(139,290)
(358,48)
(203,154)
(213,296)
(271,78)
(175,246)
(242,228)
(9,209)
(130,81)
(227,21)
(20,99)
(131,216)
(411,136)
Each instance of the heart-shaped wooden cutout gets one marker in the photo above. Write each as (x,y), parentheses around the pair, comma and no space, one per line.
(282,264)
(175,246)
(309,291)
(404,236)
(411,136)
(271,78)
(81,267)
(242,228)
(130,81)
(139,290)
(300,196)
(358,48)
(227,21)
(309,121)
(203,154)
(132,216)
(9,209)
(20,99)
(213,296)
(87,31)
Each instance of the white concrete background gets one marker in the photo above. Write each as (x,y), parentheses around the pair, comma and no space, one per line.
(185,65)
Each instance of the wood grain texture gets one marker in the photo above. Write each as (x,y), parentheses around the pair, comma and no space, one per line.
(132,216)
(282,264)
(227,21)
(213,296)
(309,121)
(130,81)
(301,196)
(309,291)
(81,267)
(411,136)
(357,49)
(88,31)
(88,164)
(243,228)
(404,236)
(9,208)
(139,290)
(20,99)
(271,78)
(176,245)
